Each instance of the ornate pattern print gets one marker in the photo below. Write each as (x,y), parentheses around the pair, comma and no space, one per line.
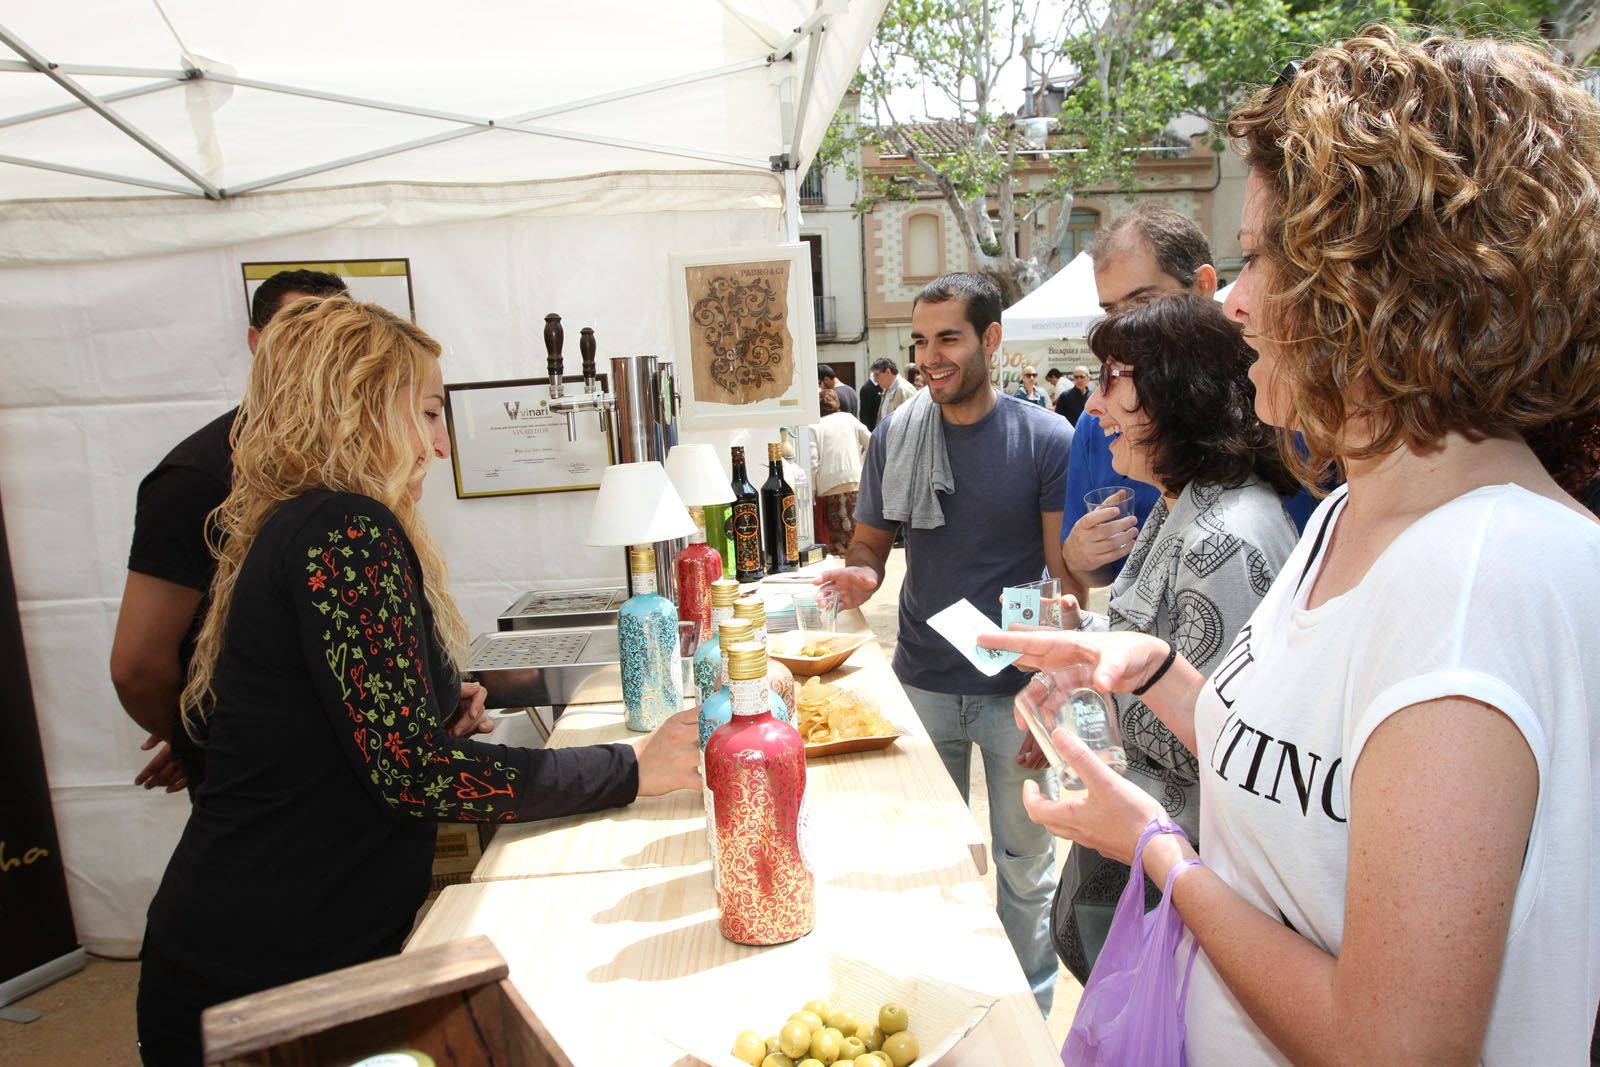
(359,579)
(741,348)
(1261,574)
(1197,627)
(765,892)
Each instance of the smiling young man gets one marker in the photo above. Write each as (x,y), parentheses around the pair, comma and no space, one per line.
(974,478)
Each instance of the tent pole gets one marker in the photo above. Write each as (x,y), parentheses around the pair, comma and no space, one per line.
(62,109)
(95,104)
(84,172)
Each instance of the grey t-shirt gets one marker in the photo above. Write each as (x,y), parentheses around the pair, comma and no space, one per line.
(1009,468)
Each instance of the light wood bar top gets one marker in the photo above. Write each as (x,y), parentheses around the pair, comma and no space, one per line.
(609,922)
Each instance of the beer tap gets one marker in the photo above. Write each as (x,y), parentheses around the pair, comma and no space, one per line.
(592,398)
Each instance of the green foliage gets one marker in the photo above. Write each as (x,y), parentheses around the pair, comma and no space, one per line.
(1128,70)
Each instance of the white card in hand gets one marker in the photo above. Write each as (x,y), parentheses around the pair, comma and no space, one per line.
(960,624)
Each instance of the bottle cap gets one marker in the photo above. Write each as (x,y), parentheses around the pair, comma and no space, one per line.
(735,631)
(749,608)
(641,559)
(724,593)
(698,514)
(774,452)
(747,661)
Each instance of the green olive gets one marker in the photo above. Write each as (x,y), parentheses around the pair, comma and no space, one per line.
(809,1062)
(749,1047)
(825,1045)
(812,1020)
(817,1007)
(850,1048)
(871,1035)
(901,1047)
(772,1044)
(777,1059)
(795,1038)
(892,1019)
(874,1059)
(846,1022)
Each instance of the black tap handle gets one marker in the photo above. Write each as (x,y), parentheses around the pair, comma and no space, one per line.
(553,338)
(586,346)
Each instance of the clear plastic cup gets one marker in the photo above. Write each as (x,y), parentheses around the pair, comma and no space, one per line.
(1062,697)
(1049,602)
(688,642)
(816,612)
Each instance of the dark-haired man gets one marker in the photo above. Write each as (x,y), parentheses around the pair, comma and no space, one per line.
(974,479)
(849,399)
(170,563)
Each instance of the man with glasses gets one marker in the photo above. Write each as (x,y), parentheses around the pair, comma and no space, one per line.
(1069,403)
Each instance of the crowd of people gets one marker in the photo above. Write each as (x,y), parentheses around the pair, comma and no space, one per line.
(1349,597)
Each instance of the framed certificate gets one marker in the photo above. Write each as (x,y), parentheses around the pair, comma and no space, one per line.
(386,282)
(504,439)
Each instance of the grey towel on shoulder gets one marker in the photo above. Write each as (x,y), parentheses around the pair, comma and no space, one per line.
(916,467)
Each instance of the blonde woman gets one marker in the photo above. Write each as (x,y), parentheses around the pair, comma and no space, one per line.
(324,674)
(1399,752)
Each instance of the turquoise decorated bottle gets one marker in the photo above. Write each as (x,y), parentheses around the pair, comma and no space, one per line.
(718,709)
(647,636)
(710,668)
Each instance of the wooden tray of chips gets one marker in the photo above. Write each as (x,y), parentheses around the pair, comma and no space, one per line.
(836,719)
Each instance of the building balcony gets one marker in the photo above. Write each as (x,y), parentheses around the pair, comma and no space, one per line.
(824,316)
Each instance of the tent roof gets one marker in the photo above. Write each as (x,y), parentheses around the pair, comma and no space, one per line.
(173,99)
(1065,306)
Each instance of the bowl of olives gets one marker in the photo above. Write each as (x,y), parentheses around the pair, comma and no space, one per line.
(869,1018)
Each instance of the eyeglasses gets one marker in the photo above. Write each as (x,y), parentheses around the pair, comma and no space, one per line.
(1109,375)
(1286,76)
(1030,375)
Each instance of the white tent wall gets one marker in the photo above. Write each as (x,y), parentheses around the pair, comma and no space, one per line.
(108,364)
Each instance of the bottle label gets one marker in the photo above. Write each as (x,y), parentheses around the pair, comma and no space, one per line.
(747,536)
(749,696)
(644,582)
(791,534)
(720,616)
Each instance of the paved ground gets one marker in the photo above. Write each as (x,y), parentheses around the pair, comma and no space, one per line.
(88,1018)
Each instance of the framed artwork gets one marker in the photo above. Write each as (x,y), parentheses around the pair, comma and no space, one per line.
(745,337)
(504,439)
(386,282)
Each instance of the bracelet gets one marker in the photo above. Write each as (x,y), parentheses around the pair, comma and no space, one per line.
(1161,671)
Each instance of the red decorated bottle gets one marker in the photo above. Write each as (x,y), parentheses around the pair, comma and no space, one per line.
(756,774)
(698,565)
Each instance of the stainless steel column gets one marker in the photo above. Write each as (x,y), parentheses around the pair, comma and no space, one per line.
(647,426)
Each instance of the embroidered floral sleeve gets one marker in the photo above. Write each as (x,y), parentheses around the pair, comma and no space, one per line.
(367,644)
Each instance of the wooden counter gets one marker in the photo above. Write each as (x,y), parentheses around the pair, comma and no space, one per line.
(609,923)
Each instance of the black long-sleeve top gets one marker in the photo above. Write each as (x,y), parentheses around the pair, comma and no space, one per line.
(310,844)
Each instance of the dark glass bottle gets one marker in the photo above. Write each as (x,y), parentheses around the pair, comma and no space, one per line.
(780,537)
(746,524)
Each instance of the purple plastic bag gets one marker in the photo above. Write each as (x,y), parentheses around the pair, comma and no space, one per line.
(1131,1013)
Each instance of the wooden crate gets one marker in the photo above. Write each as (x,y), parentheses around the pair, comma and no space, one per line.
(452,1002)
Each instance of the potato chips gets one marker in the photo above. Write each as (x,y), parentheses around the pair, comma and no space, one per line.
(829,712)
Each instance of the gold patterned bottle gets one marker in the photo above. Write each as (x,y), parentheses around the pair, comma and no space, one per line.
(779,678)
(756,773)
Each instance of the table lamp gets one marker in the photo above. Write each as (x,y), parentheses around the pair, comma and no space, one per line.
(708,557)
(637,507)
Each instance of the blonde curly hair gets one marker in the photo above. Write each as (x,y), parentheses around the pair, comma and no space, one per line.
(334,402)
(1431,244)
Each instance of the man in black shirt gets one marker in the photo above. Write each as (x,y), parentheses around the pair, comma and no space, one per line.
(170,564)
(871,397)
(1069,402)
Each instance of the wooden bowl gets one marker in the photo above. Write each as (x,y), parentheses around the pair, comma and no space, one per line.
(840,646)
(851,744)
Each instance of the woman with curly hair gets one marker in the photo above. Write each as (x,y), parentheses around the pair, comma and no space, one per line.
(1398,808)
(1175,398)
(326,672)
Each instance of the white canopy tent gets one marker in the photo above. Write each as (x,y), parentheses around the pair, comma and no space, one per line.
(523,156)
(1064,307)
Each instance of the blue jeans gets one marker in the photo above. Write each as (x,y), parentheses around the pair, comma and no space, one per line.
(1024,851)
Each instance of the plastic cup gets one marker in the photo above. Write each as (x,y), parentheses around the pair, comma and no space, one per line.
(1110,496)
(815,611)
(688,642)
(1061,697)
(1049,602)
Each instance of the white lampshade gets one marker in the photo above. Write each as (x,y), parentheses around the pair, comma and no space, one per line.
(637,506)
(697,475)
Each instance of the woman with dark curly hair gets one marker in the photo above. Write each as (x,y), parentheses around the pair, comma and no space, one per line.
(1175,398)
(1399,817)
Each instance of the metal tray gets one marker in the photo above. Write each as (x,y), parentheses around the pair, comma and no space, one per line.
(548,668)
(560,609)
